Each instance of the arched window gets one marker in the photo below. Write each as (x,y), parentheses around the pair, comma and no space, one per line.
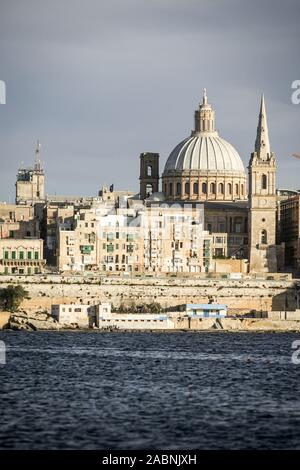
(149,170)
(242,189)
(213,188)
(263,181)
(149,189)
(236,189)
(221,188)
(171,189)
(165,189)
(187,188)
(204,188)
(178,189)
(229,188)
(195,188)
(263,237)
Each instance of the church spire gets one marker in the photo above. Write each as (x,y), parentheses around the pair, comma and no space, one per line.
(262,143)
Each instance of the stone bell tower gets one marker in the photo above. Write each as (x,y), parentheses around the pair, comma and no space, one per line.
(149,174)
(262,197)
(30,184)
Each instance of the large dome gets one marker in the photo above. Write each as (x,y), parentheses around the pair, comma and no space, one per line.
(205,152)
(204,166)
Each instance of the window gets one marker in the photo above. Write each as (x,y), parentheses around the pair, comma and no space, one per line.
(236,189)
(149,170)
(149,189)
(195,188)
(263,237)
(221,188)
(204,188)
(242,189)
(263,181)
(178,189)
(36,255)
(213,188)
(21,254)
(187,188)
(229,188)
(170,189)
(77,310)
(29,255)
(11,234)
(13,255)
(219,252)
(5,254)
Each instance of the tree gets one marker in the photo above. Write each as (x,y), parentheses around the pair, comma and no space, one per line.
(11,297)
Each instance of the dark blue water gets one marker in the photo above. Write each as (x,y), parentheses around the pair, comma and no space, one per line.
(78,390)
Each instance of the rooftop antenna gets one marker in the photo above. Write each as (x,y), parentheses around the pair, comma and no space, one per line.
(38,163)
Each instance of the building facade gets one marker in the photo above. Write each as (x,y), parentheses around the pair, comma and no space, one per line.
(21,256)
(290,230)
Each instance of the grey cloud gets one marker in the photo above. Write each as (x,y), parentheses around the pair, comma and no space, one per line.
(101,81)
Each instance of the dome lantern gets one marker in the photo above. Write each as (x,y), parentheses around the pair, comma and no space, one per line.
(204,116)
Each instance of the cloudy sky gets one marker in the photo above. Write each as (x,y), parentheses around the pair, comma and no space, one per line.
(100,81)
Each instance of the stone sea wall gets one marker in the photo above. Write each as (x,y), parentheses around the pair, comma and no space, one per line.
(241,296)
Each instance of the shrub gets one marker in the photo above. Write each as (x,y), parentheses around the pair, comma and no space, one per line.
(11,297)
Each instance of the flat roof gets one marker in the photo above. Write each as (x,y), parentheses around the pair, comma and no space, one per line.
(207,306)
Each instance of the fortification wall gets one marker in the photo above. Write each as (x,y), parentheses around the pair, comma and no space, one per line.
(241,296)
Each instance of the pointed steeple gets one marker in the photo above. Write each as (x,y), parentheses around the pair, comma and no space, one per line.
(262,143)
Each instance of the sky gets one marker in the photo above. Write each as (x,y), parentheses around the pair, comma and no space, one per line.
(100,81)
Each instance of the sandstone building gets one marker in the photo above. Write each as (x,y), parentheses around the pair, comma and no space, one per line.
(202,214)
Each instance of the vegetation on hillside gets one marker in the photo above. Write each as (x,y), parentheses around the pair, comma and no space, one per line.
(11,297)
